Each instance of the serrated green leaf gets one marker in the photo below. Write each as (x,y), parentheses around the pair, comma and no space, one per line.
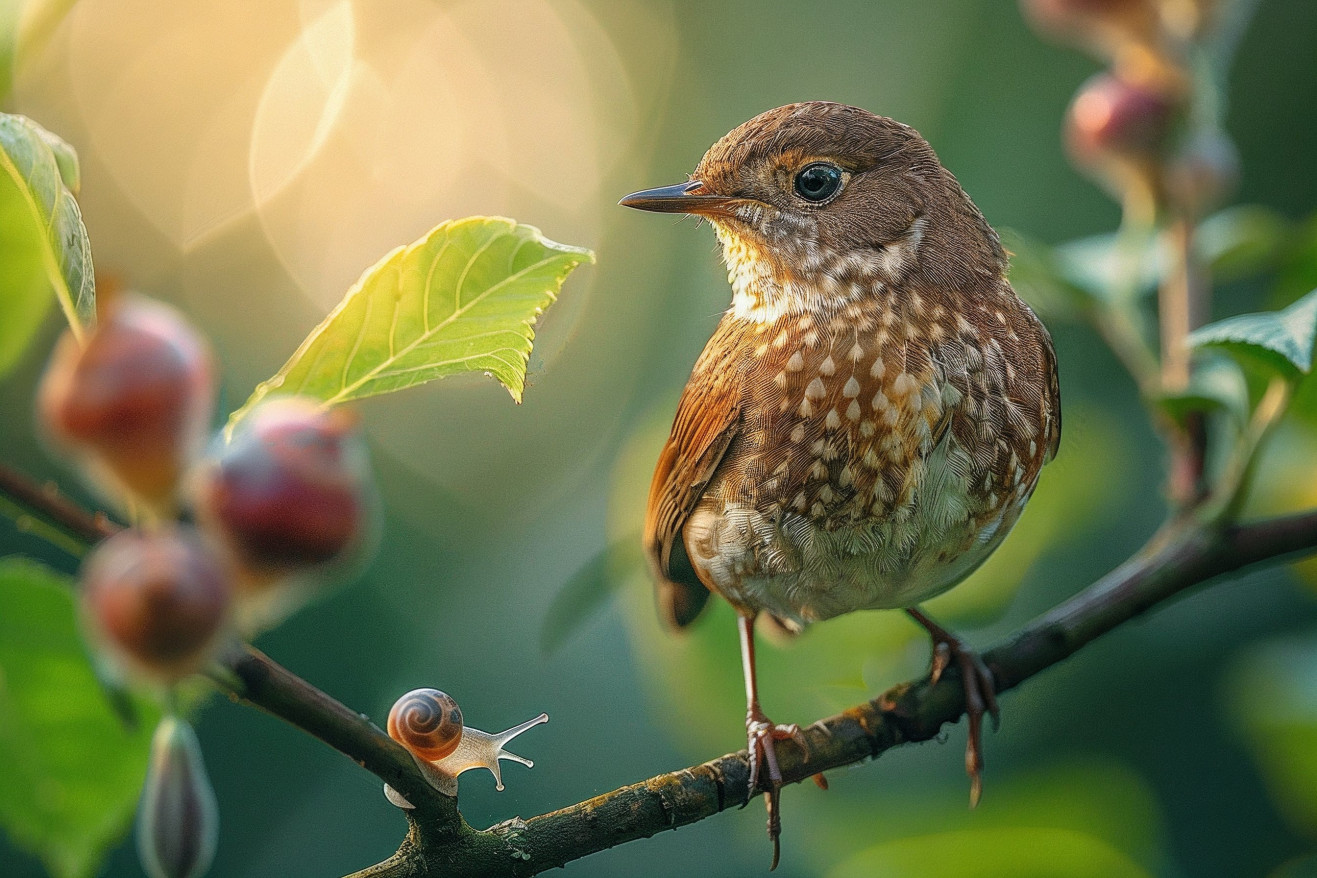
(43,243)
(589,589)
(1283,339)
(464,298)
(71,771)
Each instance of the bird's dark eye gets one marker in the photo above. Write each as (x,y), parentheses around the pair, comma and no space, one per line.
(818,182)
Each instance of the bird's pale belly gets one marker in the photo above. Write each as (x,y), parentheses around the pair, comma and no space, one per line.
(763,557)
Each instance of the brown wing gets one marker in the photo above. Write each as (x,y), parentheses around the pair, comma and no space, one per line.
(708,419)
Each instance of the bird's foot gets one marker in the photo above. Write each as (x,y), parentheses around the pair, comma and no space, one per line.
(980,694)
(762,735)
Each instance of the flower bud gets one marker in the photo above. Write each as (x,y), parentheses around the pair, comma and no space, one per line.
(134,401)
(156,602)
(177,819)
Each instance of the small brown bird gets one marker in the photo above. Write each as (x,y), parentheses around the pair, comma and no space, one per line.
(872,413)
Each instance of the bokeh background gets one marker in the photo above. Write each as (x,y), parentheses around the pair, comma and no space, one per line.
(247,159)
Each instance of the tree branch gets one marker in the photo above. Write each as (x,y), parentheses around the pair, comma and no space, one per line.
(1177,559)
(1184,554)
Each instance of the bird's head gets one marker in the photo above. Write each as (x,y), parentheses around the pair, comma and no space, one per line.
(819,204)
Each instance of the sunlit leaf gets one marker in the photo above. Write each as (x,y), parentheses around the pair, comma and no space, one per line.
(464,298)
(1284,338)
(589,589)
(993,853)
(71,771)
(43,244)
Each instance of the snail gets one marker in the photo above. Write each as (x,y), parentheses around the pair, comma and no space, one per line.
(429,724)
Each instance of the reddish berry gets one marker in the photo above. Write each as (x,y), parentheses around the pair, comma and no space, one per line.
(290,490)
(1112,116)
(158,601)
(134,401)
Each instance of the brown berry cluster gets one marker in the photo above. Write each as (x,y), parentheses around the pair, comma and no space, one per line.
(281,500)
(1145,129)
(276,504)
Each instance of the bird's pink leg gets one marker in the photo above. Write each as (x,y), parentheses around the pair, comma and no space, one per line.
(762,734)
(980,692)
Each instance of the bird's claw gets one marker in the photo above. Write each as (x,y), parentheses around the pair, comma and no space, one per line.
(980,697)
(762,735)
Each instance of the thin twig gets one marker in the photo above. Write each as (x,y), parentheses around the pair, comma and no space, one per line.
(46,502)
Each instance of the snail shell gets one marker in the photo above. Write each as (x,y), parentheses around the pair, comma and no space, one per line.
(427,722)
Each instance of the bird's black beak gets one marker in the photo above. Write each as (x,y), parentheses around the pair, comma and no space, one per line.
(681,198)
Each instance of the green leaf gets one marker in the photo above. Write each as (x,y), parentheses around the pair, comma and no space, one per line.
(1283,339)
(43,244)
(71,770)
(464,298)
(589,589)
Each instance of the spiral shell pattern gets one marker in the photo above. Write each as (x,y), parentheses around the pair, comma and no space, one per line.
(427,722)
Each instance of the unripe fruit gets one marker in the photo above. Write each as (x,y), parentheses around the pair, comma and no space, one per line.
(290,491)
(156,601)
(134,402)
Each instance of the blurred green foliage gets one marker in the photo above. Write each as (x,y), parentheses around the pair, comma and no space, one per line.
(73,770)
(1163,749)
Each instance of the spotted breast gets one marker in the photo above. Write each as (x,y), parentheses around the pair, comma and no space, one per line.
(879,455)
